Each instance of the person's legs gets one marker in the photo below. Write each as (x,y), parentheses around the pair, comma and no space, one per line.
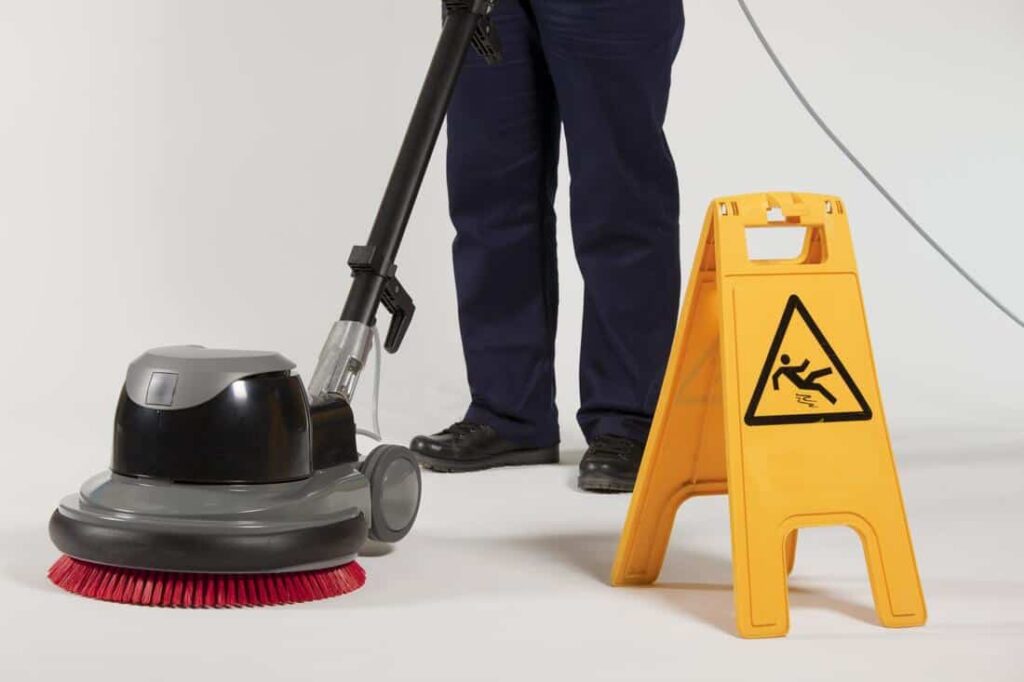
(611,62)
(503,137)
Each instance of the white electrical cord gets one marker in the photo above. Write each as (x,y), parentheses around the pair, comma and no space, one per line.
(375,410)
(867,174)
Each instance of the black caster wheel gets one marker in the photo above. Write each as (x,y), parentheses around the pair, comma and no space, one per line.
(395,488)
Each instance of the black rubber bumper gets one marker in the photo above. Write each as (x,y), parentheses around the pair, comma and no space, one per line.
(229,552)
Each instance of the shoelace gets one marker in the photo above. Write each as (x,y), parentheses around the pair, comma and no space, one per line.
(462,429)
(617,446)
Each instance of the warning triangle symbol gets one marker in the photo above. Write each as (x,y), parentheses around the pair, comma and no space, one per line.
(803,381)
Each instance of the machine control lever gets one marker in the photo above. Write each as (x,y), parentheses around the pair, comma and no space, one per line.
(399,303)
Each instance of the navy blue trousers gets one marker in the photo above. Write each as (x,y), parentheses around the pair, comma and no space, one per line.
(601,70)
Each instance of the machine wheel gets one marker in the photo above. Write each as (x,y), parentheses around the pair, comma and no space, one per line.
(395,487)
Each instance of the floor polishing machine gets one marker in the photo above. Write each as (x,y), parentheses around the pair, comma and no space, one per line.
(232,483)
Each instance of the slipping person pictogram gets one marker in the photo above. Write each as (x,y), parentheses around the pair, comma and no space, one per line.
(797,394)
(805,383)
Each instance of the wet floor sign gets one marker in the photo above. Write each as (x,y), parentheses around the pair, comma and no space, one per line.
(818,389)
(771,396)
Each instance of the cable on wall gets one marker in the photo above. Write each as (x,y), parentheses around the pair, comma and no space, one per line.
(867,174)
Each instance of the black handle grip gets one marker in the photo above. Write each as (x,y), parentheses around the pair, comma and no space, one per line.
(373,265)
(399,303)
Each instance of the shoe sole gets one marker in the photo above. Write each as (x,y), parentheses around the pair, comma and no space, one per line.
(513,458)
(603,483)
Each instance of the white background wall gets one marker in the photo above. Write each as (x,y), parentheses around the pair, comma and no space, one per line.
(195,171)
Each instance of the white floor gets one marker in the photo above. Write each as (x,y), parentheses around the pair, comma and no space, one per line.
(504,578)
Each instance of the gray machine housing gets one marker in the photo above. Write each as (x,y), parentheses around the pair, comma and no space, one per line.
(180,377)
(317,520)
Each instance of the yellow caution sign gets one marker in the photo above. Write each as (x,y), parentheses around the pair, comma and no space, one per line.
(771,395)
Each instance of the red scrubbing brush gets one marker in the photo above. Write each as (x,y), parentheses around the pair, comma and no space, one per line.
(203,590)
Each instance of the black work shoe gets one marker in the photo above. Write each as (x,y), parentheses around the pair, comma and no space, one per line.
(465,446)
(610,465)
